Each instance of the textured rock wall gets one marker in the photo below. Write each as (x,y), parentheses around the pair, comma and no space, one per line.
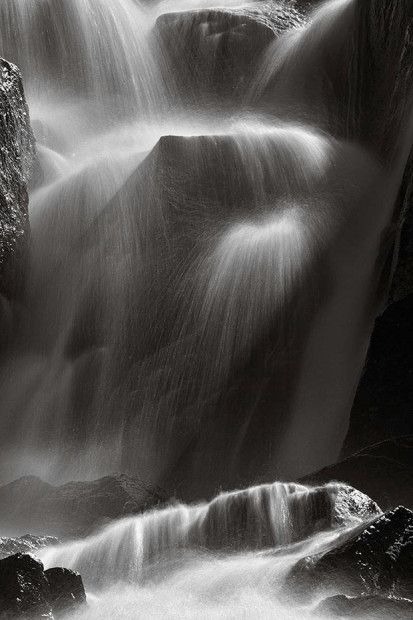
(16,160)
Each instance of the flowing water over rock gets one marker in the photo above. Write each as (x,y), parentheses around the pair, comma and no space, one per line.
(206,262)
(212,558)
(212,224)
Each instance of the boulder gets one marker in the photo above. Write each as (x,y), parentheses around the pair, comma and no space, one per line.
(213,52)
(74,508)
(66,590)
(17,149)
(373,559)
(367,607)
(249,514)
(24,589)
(29,543)
(27,590)
(351,505)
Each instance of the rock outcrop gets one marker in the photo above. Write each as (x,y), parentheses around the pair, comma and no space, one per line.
(27,590)
(29,504)
(24,588)
(16,161)
(29,543)
(213,52)
(374,559)
(66,589)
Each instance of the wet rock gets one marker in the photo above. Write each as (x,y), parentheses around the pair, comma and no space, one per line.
(213,52)
(25,544)
(368,607)
(24,589)
(401,555)
(16,162)
(309,510)
(66,590)
(353,505)
(369,560)
(27,590)
(74,508)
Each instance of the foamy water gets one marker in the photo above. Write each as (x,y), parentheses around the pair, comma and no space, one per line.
(228,558)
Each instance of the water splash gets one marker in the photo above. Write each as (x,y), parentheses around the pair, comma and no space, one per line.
(229,556)
(264,517)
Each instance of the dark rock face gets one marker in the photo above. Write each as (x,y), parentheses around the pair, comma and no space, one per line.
(213,52)
(382,409)
(384,400)
(402,280)
(27,590)
(24,588)
(66,590)
(74,508)
(372,560)
(374,607)
(25,544)
(16,161)
(384,471)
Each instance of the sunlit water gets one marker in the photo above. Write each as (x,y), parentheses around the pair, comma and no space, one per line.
(229,558)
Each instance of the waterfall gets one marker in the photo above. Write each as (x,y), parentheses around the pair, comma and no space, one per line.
(264,517)
(206,254)
(212,222)
(98,52)
(228,556)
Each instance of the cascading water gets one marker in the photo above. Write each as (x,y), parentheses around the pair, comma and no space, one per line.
(206,267)
(201,288)
(245,540)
